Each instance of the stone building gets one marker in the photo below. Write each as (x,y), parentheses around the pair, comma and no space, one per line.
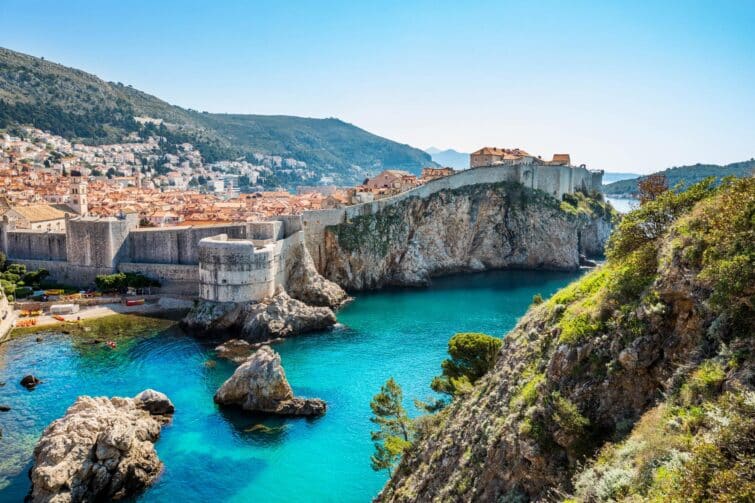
(392,179)
(38,217)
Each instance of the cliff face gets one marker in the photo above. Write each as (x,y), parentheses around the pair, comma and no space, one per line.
(636,382)
(486,226)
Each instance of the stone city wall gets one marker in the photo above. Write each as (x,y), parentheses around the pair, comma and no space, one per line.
(555,180)
(27,244)
(237,270)
(174,279)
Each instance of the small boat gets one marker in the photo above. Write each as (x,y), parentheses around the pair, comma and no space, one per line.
(135,302)
(59,318)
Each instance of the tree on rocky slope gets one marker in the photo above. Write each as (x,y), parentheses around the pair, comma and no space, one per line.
(394,434)
(472,356)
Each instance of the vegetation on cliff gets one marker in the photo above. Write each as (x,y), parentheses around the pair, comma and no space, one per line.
(633,383)
(470,228)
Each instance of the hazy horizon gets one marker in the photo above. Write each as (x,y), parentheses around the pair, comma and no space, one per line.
(625,87)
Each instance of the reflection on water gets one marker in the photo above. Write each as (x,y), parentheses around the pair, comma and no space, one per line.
(214,454)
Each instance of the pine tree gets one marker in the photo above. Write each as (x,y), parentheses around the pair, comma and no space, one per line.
(394,435)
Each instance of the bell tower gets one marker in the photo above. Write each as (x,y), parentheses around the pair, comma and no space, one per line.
(78,192)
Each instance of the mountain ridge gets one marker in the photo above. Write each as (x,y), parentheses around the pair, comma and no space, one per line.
(82,107)
(684,175)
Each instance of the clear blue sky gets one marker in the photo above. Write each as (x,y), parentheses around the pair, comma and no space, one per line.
(620,85)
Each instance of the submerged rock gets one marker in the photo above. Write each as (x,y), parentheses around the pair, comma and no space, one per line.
(101,449)
(30,382)
(273,317)
(259,384)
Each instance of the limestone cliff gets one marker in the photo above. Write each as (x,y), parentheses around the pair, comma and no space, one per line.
(473,228)
(635,383)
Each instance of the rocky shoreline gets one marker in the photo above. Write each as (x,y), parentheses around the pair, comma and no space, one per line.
(101,449)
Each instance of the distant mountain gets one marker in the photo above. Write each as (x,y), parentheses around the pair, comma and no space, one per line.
(615,177)
(685,175)
(80,106)
(450,157)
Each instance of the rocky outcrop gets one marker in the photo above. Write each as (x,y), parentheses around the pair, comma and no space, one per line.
(6,317)
(648,329)
(101,449)
(260,385)
(30,382)
(474,228)
(271,318)
(304,283)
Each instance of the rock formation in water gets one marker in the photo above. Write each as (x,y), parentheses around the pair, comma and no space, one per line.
(474,228)
(235,350)
(271,318)
(259,384)
(634,383)
(101,449)
(306,305)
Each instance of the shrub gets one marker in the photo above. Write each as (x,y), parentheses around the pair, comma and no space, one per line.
(537,299)
(472,356)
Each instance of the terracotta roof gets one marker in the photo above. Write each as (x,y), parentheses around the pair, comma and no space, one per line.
(39,212)
(512,152)
(561,159)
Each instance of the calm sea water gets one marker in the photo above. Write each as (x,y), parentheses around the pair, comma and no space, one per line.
(207,452)
(623,205)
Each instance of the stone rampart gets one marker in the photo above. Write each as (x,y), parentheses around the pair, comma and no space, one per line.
(175,279)
(554,180)
(36,245)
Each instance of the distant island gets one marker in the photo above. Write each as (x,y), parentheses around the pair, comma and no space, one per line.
(83,108)
(684,175)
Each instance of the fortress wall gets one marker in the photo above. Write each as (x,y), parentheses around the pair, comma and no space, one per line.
(315,222)
(549,180)
(97,243)
(25,244)
(175,245)
(234,270)
(174,278)
(65,273)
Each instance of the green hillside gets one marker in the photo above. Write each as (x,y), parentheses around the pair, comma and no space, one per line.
(686,176)
(82,107)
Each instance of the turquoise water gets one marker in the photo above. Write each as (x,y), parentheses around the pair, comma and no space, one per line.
(207,454)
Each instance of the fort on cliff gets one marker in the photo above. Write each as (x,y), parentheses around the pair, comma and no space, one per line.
(243,261)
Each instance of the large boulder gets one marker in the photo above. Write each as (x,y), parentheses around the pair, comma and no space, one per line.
(101,449)
(271,318)
(259,384)
(283,316)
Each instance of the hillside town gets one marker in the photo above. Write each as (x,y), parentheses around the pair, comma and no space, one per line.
(43,177)
(41,172)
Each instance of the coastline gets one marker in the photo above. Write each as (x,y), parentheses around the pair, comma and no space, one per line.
(162,306)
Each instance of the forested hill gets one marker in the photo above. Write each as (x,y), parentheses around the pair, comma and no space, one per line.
(80,106)
(686,175)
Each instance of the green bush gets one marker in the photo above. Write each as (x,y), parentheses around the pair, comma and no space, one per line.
(120,282)
(472,356)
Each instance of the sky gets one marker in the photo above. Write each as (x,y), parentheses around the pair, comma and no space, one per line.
(622,86)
